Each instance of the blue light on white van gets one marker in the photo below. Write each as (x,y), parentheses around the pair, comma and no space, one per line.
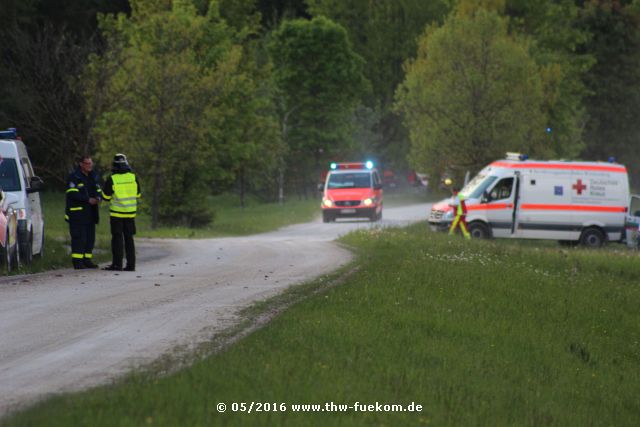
(369,164)
(8,134)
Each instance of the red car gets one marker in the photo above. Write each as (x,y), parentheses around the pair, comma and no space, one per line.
(8,232)
(352,190)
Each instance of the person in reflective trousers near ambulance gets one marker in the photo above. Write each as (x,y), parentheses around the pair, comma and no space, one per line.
(82,214)
(122,191)
(460,219)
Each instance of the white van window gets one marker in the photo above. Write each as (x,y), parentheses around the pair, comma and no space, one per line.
(635,206)
(502,190)
(26,167)
(349,180)
(477,186)
(9,178)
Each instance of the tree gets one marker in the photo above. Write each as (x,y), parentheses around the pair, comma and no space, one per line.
(473,93)
(44,46)
(614,82)
(385,34)
(169,72)
(319,79)
(559,50)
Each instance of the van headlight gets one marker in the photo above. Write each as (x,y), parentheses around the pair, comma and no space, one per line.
(328,203)
(367,202)
(448,215)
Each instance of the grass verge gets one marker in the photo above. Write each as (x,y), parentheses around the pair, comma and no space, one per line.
(478,333)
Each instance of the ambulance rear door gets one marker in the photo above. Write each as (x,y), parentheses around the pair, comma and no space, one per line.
(632,223)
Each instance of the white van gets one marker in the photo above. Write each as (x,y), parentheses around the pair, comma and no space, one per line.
(569,201)
(17,178)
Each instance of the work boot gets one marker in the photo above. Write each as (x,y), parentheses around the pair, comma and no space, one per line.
(88,263)
(113,268)
(130,268)
(78,264)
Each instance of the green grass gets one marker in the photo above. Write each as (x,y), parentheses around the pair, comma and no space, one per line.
(479,333)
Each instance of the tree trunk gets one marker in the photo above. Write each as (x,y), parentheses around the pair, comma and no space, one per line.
(155,197)
(241,187)
(281,183)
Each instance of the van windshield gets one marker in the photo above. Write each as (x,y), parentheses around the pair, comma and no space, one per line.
(477,186)
(349,180)
(9,178)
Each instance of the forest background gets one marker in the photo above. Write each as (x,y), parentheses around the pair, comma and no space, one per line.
(258,96)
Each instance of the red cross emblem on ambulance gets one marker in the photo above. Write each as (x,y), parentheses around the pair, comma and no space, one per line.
(579,187)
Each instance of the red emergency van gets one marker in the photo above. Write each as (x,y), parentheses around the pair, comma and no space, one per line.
(352,190)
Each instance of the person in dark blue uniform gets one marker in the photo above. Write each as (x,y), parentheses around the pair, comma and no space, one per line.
(82,212)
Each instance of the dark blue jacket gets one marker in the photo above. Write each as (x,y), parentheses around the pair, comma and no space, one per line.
(80,188)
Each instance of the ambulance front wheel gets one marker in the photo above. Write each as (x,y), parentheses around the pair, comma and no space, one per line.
(592,238)
(479,230)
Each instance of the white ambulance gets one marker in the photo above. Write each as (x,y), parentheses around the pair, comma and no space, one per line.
(569,201)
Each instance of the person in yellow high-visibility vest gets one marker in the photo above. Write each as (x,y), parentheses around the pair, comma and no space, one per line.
(122,191)
(460,211)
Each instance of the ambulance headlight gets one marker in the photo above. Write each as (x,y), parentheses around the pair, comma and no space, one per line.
(448,215)
(328,203)
(367,202)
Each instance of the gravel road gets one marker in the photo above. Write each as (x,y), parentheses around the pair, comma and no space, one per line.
(66,330)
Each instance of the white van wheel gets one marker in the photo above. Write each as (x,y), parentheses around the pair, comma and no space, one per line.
(41,253)
(479,230)
(26,249)
(592,238)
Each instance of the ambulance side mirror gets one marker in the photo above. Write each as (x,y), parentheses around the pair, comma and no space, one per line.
(486,197)
(321,187)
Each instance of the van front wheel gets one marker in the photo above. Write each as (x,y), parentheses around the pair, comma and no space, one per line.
(26,249)
(592,238)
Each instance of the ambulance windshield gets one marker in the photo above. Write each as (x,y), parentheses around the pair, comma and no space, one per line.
(477,186)
(349,180)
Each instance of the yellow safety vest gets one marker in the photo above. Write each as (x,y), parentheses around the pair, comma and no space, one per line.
(460,199)
(125,195)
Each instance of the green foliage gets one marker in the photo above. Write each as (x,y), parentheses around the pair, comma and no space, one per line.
(473,93)
(614,82)
(385,34)
(320,79)
(174,85)
(559,40)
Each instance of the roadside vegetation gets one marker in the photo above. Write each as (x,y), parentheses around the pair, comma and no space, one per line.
(479,333)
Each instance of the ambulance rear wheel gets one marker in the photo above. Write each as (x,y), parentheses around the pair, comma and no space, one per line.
(479,230)
(592,238)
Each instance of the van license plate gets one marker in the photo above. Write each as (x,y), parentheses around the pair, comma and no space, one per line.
(347,211)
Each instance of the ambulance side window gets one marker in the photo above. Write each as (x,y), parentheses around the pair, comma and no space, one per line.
(502,190)
(27,171)
(635,206)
